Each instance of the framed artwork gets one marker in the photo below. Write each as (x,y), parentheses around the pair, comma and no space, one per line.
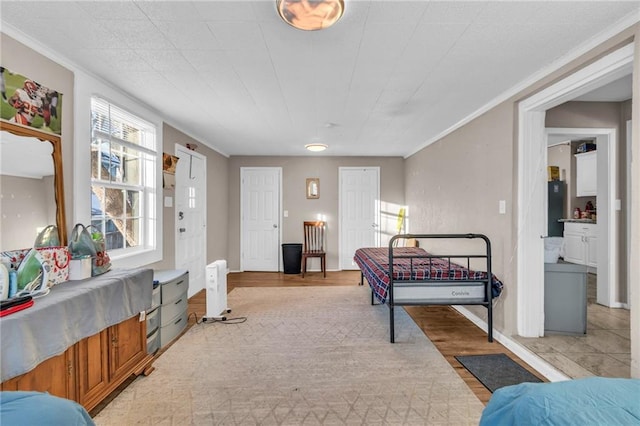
(313,188)
(28,103)
(169,163)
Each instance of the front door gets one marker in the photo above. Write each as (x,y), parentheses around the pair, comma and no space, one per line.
(359,211)
(191,216)
(260,211)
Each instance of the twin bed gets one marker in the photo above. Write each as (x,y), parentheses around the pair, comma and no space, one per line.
(401,276)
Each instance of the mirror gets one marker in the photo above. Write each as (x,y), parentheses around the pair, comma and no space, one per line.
(32,185)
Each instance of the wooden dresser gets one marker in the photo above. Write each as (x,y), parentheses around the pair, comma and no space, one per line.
(90,367)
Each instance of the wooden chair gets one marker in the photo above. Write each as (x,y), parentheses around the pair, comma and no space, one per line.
(314,245)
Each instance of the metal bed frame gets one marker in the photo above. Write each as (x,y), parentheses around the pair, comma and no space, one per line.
(487,282)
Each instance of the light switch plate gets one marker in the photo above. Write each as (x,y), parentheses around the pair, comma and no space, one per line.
(502,207)
(286,213)
(168,201)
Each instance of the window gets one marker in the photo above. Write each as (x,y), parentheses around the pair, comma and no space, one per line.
(123,178)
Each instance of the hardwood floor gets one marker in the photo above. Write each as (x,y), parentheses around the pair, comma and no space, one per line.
(451,333)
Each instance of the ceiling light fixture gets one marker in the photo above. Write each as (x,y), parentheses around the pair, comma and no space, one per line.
(316,147)
(310,15)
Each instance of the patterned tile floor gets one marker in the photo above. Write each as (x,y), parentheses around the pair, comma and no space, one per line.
(604,351)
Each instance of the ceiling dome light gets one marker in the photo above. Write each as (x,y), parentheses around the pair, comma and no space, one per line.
(310,15)
(316,147)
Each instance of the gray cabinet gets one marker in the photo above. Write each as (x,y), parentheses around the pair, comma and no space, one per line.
(565,298)
(153,321)
(174,285)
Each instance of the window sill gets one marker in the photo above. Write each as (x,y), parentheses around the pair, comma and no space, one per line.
(136,259)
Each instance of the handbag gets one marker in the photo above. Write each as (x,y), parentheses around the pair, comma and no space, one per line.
(48,237)
(102,260)
(83,244)
(13,258)
(56,257)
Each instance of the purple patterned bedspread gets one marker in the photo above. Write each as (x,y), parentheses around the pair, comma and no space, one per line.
(374,264)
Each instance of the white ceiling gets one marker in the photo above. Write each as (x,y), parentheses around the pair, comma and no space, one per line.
(616,91)
(385,80)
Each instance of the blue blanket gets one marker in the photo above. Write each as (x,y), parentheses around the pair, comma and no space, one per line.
(590,401)
(37,408)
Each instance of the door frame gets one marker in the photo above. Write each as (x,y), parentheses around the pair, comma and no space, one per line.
(532,174)
(376,213)
(186,151)
(607,257)
(628,209)
(242,230)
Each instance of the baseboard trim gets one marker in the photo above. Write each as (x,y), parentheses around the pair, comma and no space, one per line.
(543,367)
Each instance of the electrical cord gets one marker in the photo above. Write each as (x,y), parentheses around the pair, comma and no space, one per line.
(236,320)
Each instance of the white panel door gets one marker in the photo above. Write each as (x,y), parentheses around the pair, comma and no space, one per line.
(359,211)
(260,212)
(191,216)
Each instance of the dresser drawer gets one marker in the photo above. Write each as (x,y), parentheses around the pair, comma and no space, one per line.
(173,309)
(155,297)
(153,342)
(153,321)
(175,288)
(173,328)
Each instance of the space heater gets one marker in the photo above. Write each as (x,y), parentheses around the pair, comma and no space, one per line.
(216,282)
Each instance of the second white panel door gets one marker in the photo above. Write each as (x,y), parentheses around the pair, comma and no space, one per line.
(260,211)
(359,211)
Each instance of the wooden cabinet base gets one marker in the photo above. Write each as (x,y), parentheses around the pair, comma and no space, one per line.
(90,370)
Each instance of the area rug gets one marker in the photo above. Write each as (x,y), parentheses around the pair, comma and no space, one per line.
(496,370)
(305,355)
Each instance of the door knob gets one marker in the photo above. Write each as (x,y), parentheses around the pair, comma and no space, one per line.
(275,226)
(182,229)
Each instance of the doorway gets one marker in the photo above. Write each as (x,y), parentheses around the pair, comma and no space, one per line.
(191,216)
(607,234)
(359,209)
(532,180)
(260,201)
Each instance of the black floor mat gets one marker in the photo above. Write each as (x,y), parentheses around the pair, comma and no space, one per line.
(496,370)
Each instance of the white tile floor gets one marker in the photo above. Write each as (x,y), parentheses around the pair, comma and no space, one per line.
(604,351)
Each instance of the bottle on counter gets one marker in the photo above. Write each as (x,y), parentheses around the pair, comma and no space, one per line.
(13,283)
(576,213)
(589,207)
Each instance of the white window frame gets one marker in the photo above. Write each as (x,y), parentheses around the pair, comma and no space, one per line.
(146,151)
(87,87)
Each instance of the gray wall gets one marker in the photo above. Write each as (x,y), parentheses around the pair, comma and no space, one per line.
(295,170)
(455,185)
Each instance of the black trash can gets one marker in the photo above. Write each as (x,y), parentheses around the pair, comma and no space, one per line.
(292,257)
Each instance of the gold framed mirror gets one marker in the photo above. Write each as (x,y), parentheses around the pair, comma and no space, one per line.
(313,188)
(58,181)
